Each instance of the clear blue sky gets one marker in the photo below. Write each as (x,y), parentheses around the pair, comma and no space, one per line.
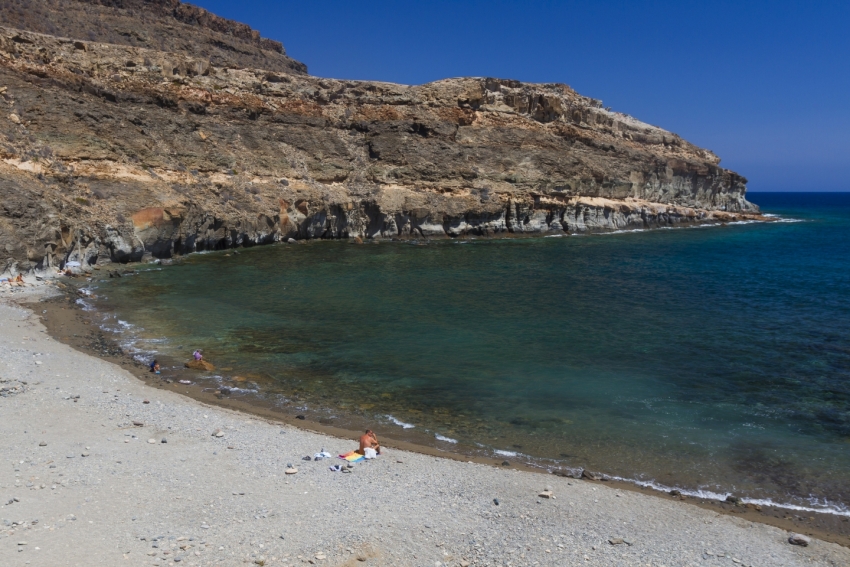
(765,85)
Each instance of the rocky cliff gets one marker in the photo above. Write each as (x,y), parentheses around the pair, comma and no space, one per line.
(116,149)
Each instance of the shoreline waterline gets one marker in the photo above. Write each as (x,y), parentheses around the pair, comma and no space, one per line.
(318,352)
(226,491)
(831,525)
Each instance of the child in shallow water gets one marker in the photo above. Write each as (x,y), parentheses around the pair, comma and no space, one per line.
(154,367)
(197,354)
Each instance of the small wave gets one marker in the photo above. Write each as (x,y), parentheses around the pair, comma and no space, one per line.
(399,422)
(824,508)
(628,230)
(125,324)
(446,439)
(505,453)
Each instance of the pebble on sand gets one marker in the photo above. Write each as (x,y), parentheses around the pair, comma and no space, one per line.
(799,539)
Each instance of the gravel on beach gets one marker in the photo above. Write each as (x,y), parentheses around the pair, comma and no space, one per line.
(97,468)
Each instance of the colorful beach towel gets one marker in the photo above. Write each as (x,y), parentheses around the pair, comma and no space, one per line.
(352,457)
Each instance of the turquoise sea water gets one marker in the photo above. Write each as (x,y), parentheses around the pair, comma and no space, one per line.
(712,359)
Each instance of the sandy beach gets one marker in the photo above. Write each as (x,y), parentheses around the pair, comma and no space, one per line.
(100,468)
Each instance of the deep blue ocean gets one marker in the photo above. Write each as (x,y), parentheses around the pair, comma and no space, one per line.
(712,359)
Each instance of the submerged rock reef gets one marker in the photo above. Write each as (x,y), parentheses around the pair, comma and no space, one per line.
(194,133)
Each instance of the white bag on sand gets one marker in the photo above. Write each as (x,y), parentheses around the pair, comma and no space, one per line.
(370,453)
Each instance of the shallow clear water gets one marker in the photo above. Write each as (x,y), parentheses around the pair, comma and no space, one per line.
(713,359)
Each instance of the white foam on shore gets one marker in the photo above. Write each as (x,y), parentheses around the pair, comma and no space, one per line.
(446,439)
(505,453)
(824,508)
(399,422)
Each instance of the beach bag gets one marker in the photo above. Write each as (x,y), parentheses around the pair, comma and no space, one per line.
(370,453)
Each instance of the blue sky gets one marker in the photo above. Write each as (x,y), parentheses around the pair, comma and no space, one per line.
(765,85)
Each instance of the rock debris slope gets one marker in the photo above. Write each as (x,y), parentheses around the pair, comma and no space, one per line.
(162,129)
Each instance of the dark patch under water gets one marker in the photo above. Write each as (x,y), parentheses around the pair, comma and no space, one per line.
(714,359)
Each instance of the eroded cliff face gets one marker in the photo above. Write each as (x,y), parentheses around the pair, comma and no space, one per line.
(118,152)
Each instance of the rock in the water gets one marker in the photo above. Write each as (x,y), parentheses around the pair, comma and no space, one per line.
(590,475)
(799,539)
(200,365)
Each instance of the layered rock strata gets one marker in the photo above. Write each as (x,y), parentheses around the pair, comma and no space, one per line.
(115,152)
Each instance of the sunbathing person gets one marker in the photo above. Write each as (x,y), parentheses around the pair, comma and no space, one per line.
(369,440)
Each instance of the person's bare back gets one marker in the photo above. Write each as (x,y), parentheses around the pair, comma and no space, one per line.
(369,440)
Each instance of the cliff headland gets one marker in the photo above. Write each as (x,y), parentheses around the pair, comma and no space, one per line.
(148,128)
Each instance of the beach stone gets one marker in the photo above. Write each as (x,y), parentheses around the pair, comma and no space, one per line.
(138,424)
(506,463)
(733,499)
(799,539)
(496,501)
(546,494)
(164,440)
(616,541)
(42,444)
(300,417)
(151,441)
(146,402)
(291,470)
(590,475)
(218,433)
(200,365)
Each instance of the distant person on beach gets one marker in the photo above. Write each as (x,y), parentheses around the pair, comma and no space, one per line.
(369,440)
(197,354)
